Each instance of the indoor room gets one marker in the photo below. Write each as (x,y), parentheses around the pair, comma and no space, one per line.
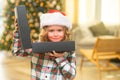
(94,28)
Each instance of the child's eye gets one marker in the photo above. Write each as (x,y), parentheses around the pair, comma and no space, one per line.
(60,30)
(51,30)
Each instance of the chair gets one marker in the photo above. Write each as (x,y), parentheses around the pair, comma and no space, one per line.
(104,50)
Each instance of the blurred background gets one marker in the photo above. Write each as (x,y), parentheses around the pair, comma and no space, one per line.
(80,12)
(83,14)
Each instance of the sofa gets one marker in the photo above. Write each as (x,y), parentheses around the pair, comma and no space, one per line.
(85,36)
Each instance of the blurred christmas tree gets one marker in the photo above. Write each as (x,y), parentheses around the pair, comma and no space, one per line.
(34,9)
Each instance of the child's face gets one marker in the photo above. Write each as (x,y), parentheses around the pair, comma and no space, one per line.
(55,33)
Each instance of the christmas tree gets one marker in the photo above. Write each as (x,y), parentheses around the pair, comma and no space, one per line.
(34,9)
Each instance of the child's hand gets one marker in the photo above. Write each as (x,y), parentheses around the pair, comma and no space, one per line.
(57,54)
(28,50)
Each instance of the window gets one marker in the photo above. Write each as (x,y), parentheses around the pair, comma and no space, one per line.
(86,11)
(110,11)
(107,11)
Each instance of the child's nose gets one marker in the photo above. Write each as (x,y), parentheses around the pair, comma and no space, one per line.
(55,33)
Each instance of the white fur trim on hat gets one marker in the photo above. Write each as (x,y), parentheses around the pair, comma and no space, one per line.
(54,19)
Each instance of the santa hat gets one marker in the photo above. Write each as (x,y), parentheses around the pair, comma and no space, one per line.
(55,17)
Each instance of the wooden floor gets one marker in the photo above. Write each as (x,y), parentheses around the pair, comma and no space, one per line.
(18,68)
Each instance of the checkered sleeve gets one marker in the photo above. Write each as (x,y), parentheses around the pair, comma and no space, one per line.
(16,48)
(67,66)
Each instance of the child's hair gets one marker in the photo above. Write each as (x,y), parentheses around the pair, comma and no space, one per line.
(44,38)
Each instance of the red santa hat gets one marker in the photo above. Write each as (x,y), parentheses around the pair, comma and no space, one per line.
(55,17)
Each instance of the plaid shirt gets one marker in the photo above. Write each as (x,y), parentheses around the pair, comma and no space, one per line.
(45,67)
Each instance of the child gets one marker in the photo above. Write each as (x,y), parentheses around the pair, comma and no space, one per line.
(50,66)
